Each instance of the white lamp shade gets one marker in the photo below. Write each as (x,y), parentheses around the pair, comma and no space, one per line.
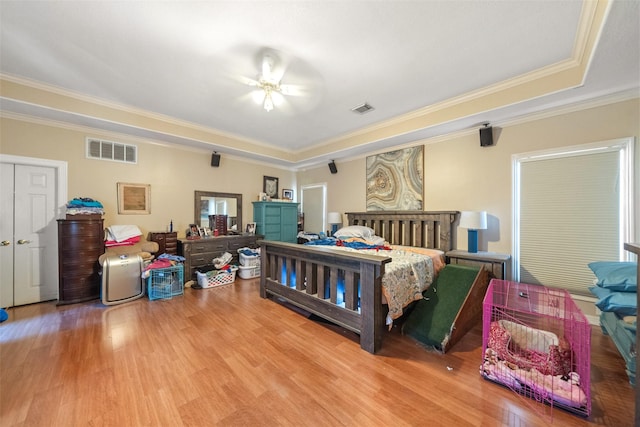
(334,218)
(473,220)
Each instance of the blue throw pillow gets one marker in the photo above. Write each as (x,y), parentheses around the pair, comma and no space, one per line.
(616,275)
(622,303)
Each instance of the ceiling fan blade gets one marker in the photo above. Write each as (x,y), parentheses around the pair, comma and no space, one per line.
(248,81)
(267,66)
(293,90)
(278,99)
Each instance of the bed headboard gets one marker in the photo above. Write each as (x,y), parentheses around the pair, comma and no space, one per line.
(410,228)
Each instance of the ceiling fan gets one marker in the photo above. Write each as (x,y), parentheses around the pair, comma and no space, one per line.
(270,91)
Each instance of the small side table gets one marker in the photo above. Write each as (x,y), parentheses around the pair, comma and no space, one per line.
(167,241)
(496,263)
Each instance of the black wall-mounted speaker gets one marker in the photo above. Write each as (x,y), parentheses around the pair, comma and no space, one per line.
(486,136)
(332,167)
(215,160)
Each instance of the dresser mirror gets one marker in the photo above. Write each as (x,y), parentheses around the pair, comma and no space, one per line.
(212,203)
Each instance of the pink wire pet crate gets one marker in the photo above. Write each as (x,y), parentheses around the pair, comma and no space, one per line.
(536,341)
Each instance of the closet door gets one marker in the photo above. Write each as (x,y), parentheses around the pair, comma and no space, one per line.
(6,235)
(29,251)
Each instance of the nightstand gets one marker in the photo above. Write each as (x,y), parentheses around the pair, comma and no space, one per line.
(496,263)
(167,241)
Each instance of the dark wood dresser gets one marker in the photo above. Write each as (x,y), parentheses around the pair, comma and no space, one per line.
(201,252)
(80,244)
(167,242)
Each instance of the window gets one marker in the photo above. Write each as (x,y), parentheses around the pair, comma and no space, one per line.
(572,206)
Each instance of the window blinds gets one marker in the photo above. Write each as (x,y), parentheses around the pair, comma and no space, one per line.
(570,214)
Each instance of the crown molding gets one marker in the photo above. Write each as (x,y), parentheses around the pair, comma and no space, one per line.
(553,78)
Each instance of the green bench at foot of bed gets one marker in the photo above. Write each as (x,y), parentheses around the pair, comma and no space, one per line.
(450,308)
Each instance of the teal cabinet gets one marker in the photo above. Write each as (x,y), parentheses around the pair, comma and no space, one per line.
(276,220)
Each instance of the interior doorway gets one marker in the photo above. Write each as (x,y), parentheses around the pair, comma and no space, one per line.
(313,201)
(33,193)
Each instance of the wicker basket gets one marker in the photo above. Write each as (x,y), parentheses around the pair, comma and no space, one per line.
(215,278)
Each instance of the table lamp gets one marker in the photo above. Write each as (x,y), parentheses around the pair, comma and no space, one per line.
(335,219)
(473,221)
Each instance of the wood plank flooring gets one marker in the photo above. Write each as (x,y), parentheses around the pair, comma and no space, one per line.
(226,357)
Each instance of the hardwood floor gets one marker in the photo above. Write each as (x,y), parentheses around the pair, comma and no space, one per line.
(226,357)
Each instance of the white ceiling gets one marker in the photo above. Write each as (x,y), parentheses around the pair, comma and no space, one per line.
(183,62)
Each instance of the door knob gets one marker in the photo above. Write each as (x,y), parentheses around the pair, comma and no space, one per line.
(5,243)
(23,242)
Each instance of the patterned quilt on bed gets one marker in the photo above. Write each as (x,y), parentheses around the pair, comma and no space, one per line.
(405,277)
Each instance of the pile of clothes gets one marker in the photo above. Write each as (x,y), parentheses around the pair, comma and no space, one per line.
(84,206)
(122,235)
(163,261)
(222,262)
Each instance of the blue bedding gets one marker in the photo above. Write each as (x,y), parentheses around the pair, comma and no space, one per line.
(331,241)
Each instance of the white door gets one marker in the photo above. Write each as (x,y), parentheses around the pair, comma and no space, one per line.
(6,234)
(32,277)
(313,199)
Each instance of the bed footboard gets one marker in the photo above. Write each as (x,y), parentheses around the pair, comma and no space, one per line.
(344,289)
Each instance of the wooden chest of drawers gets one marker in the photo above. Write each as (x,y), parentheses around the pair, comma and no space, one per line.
(201,252)
(167,242)
(80,244)
(276,220)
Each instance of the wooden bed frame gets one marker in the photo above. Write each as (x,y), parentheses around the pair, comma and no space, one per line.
(307,276)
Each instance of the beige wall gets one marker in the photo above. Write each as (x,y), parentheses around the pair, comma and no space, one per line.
(173,173)
(461,175)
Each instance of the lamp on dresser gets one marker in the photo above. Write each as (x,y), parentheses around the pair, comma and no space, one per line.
(473,221)
(335,219)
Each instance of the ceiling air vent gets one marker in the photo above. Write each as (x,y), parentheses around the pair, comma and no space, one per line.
(109,150)
(364,108)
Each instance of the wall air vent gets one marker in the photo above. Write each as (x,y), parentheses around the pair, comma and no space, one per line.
(109,150)
(364,108)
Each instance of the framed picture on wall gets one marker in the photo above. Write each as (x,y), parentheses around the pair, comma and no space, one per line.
(287,194)
(134,199)
(270,186)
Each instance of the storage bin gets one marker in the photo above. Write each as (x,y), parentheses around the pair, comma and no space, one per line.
(215,278)
(164,283)
(248,260)
(249,271)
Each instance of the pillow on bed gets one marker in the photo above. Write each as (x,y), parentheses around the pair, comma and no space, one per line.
(354,231)
(622,303)
(616,275)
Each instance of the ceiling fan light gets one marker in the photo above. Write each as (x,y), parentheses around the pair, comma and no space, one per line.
(268,102)
(277,98)
(258,96)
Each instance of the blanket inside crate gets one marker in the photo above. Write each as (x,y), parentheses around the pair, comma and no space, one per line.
(522,357)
